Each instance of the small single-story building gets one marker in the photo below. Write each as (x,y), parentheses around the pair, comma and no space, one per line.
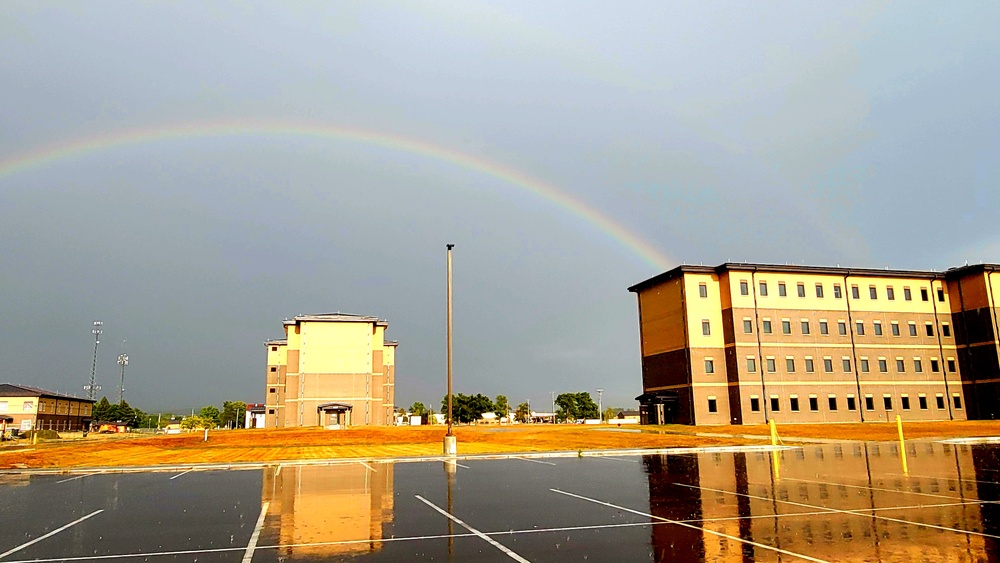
(109,427)
(30,407)
(255,415)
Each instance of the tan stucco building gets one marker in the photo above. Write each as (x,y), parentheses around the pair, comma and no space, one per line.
(744,343)
(330,370)
(28,407)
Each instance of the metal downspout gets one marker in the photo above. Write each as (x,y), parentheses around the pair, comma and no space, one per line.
(760,352)
(854,349)
(937,326)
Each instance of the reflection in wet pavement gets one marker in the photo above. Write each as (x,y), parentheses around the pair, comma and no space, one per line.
(833,502)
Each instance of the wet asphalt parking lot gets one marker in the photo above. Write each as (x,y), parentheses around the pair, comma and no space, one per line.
(831,502)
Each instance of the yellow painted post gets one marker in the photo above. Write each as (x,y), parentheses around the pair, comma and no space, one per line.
(902,444)
(774,433)
(774,453)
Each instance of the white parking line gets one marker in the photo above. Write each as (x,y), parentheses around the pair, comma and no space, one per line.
(534,460)
(614,458)
(179,474)
(863,512)
(370,468)
(50,534)
(693,527)
(277,471)
(79,477)
(248,556)
(455,463)
(481,535)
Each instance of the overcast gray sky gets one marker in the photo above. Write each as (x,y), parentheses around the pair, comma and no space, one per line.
(861,134)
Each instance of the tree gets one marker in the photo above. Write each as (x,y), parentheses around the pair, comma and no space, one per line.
(575,406)
(234,414)
(192,422)
(609,413)
(500,407)
(467,408)
(100,411)
(212,414)
(523,412)
(418,409)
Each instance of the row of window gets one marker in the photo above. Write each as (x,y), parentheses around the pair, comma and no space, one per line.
(864,365)
(800,290)
(833,405)
(824,327)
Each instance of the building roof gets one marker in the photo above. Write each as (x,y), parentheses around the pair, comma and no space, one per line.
(276,342)
(11,390)
(391,343)
(337,317)
(802,269)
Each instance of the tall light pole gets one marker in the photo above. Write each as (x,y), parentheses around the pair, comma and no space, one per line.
(122,361)
(92,388)
(600,403)
(450,442)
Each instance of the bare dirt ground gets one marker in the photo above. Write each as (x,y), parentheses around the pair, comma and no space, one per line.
(234,446)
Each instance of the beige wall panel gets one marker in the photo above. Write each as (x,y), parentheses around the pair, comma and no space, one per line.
(336,348)
(700,309)
(792,301)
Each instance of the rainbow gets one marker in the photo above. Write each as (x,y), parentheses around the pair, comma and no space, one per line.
(108,141)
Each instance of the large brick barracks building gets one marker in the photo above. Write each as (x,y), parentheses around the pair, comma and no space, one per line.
(744,343)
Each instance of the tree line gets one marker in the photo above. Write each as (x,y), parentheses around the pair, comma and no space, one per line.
(470,408)
(232,415)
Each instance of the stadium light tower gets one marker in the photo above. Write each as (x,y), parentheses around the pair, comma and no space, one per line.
(92,389)
(122,361)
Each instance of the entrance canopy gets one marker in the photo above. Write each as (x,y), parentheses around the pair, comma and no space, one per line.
(334,407)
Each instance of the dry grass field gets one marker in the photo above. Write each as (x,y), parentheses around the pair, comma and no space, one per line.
(273,446)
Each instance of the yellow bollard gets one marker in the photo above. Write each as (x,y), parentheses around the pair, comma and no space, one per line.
(774,432)
(774,453)
(902,444)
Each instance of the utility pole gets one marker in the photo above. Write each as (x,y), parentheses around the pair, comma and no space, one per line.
(92,389)
(450,442)
(600,402)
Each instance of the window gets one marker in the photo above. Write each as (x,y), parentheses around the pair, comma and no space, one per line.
(754,403)
(895,328)
(847,364)
(751,364)
(702,290)
(869,403)
(828,365)
(877,325)
(813,403)
(860,325)
(823,327)
(28,406)
(770,365)
(744,288)
(934,365)
(793,403)
(819,290)
(887,402)
(763,289)
(809,365)
(918,365)
(864,365)
(272,389)
(883,365)
(4,406)
(940,401)
(906,294)
(801,288)
(805,326)
(922,401)
(832,400)
(940,293)
(706,328)
(273,369)
(890,294)
(900,366)
(781,289)
(712,405)
(904,401)
(709,365)
(913,328)
(747,326)
(855,293)
(767,326)
(951,365)
(929,329)
(270,411)
(923,294)
(842,328)
(956,400)
(872,292)
(945,330)
(274,348)
(775,404)
(790,365)
(836,291)
(786,326)
(850,403)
